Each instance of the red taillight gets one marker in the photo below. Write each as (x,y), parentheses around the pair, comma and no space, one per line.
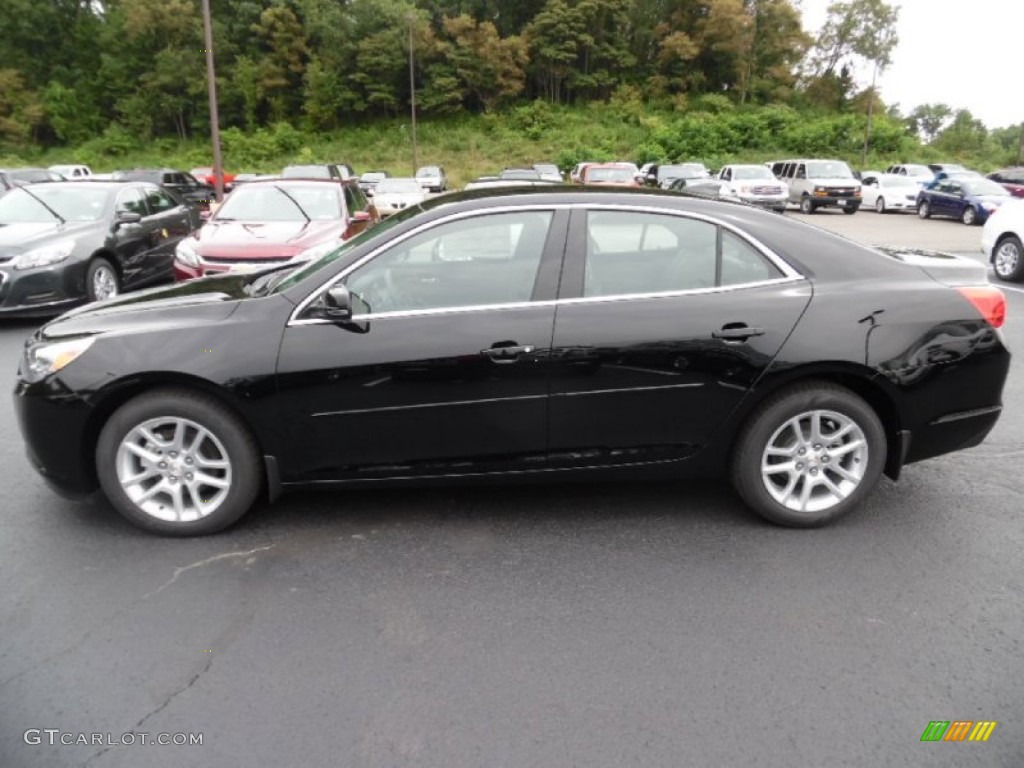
(989,301)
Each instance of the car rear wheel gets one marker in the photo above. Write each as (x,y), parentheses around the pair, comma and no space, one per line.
(880,205)
(806,205)
(101,280)
(178,462)
(970,216)
(809,455)
(1008,262)
(924,210)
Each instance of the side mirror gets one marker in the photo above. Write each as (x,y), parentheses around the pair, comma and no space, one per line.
(361,216)
(338,303)
(127,217)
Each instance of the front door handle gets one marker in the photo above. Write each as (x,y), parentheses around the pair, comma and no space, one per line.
(737,332)
(506,352)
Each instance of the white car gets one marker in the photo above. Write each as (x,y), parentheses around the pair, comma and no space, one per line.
(889,192)
(1001,240)
(432,178)
(393,195)
(921,174)
(73,172)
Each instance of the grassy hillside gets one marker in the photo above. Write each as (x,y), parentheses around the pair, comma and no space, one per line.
(712,131)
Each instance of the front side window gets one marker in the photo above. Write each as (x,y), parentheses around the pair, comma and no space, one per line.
(131,201)
(159,201)
(640,253)
(485,260)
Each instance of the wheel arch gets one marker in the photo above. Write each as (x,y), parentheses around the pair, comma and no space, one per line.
(116,394)
(861,380)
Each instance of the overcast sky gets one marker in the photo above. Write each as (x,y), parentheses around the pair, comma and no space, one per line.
(965,54)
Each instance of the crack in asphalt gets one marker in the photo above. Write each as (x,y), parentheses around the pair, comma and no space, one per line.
(106,621)
(173,695)
(201,563)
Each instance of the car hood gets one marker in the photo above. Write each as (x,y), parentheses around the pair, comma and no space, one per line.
(409,198)
(194,302)
(263,239)
(993,199)
(23,236)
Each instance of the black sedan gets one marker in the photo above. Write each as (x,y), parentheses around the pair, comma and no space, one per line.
(65,243)
(525,334)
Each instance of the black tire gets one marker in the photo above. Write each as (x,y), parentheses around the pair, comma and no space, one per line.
(770,416)
(880,204)
(1008,259)
(969,216)
(101,267)
(850,210)
(199,408)
(924,210)
(806,205)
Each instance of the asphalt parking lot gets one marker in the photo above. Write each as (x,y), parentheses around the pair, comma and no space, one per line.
(564,625)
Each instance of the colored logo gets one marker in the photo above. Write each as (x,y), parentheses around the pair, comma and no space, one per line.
(959,730)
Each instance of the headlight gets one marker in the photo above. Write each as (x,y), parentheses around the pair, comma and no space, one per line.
(989,206)
(45,358)
(186,254)
(317,251)
(44,256)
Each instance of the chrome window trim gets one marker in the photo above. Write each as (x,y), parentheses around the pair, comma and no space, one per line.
(790,275)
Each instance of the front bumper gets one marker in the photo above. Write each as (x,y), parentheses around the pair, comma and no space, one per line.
(775,202)
(183,271)
(821,201)
(41,292)
(53,422)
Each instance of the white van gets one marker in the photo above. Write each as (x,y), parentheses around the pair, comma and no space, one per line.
(817,184)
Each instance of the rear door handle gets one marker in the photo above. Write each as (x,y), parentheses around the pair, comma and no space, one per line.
(737,332)
(506,353)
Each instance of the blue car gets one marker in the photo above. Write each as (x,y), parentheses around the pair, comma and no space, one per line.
(972,199)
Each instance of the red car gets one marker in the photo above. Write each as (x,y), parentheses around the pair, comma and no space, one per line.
(1012,179)
(206,175)
(272,221)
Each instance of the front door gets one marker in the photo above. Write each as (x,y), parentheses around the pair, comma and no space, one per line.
(446,371)
(673,320)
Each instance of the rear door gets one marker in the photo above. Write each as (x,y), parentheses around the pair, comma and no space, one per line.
(664,324)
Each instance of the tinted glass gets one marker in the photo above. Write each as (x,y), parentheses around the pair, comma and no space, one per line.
(631,252)
(131,201)
(742,263)
(484,260)
(983,186)
(159,201)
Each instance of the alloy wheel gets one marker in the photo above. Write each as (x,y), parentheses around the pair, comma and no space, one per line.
(104,283)
(173,469)
(1007,258)
(814,461)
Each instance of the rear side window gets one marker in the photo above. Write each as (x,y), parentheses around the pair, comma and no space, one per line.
(639,253)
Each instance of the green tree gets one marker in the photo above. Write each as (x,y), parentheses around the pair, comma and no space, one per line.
(927,120)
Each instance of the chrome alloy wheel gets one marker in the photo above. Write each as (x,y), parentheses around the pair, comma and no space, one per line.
(173,469)
(104,283)
(1007,257)
(814,461)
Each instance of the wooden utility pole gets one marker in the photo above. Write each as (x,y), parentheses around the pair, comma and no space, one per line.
(211,84)
(871,112)
(412,96)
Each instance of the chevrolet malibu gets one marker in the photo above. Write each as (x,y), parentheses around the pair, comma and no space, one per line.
(537,333)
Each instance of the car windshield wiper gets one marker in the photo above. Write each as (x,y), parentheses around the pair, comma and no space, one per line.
(295,203)
(43,203)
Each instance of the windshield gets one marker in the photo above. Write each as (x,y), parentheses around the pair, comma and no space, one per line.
(285,202)
(896,182)
(984,187)
(545,168)
(752,172)
(429,170)
(373,176)
(610,174)
(523,174)
(399,187)
(919,170)
(277,282)
(306,172)
(829,170)
(44,200)
(683,171)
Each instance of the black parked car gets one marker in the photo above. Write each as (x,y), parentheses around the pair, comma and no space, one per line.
(533,333)
(185,185)
(66,243)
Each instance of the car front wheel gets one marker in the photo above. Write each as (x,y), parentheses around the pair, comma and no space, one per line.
(101,280)
(1008,261)
(178,462)
(924,210)
(809,455)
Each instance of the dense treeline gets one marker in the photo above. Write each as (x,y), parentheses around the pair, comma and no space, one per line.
(134,70)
